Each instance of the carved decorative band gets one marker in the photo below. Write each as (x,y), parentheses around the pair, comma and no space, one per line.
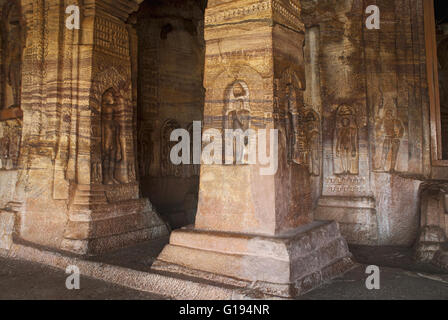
(291,16)
(237,13)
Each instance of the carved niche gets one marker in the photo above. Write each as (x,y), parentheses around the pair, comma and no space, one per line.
(237,117)
(345,142)
(111,147)
(389,131)
(13,43)
(112,151)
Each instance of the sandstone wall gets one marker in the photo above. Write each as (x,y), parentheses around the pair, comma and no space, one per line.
(374,72)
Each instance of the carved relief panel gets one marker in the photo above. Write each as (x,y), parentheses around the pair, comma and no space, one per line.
(346,166)
(389,132)
(345,142)
(111,148)
(301,123)
(112,151)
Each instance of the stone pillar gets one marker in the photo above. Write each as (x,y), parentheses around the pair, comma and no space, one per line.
(77,186)
(253,227)
(107,211)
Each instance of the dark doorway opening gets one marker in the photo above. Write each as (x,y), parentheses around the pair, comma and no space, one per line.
(170,96)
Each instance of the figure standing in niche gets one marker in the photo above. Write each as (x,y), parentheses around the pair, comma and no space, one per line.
(111,143)
(391,128)
(13,56)
(238,118)
(346,142)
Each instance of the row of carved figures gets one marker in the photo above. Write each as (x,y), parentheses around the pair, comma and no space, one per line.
(303,129)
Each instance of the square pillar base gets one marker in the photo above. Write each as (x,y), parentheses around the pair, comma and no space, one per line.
(107,227)
(283,266)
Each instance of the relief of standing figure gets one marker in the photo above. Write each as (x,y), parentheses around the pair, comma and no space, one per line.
(392,129)
(111,143)
(238,118)
(345,145)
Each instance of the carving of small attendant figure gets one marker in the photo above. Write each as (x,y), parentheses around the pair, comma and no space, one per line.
(111,144)
(392,129)
(239,119)
(346,148)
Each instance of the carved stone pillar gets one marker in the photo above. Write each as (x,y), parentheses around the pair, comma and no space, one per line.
(252,227)
(77,186)
(107,211)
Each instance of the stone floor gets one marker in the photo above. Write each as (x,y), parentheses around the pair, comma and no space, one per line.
(27,280)
(401,277)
